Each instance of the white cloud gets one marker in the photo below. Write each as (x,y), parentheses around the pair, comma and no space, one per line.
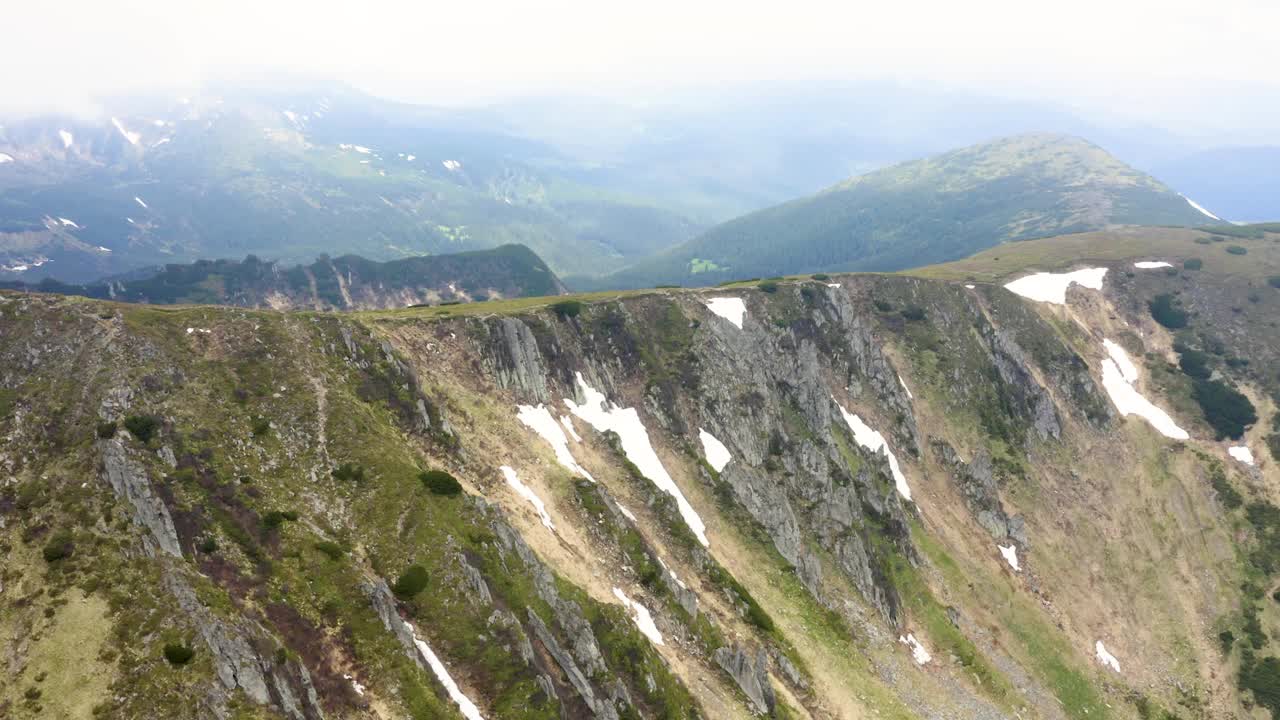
(1139,54)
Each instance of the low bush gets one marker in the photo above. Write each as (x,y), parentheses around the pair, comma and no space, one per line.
(142,427)
(276,518)
(768,286)
(1165,310)
(440,482)
(567,309)
(883,305)
(349,472)
(820,277)
(261,426)
(1237,250)
(208,546)
(1195,363)
(178,654)
(1192,264)
(1226,409)
(1274,281)
(106,430)
(59,546)
(330,549)
(913,313)
(411,582)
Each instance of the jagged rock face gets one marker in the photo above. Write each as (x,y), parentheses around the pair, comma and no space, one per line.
(129,480)
(750,673)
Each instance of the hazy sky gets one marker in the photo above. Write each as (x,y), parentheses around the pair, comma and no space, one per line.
(1188,64)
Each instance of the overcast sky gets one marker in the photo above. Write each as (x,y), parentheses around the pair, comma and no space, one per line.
(1188,65)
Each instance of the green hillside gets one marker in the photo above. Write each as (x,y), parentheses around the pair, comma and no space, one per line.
(349,282)
(927,211)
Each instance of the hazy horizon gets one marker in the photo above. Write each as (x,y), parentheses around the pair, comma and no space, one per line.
(1178,66)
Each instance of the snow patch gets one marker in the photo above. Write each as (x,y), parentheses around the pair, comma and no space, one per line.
(410,158)
(104,249)
(1241,453)
(1127,369)
(465,706)
(355,685)
(598,413)
(67,138)
(833,285)
(641,615)
(903,383)
(1010,556)
(527,493)
(717,454)
(1199,207)
(451,165)
(69,223)
(192,330)
(539,420)
(1118,376)
(729,308)
(1052,287)
(5,158)
(875,442)
(139,201)
(918,653)
(1104,657)
(1151,264)
(968,286)
(292,118)
(626,513)
(132,137)
(567,422)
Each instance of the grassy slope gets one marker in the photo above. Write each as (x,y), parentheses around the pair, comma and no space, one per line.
(925,211)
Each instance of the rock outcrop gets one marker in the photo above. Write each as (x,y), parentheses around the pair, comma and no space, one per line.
(128,478)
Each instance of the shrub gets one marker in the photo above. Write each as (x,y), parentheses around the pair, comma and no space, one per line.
(821,277)
(1203,241)
(440,482)
(1165,310)
(142,427)
(107,430)
(349,472)
(1192,264)
(1274,281)
(768,286)
(178,654)
(1225,409)
(1236,250)
(883,305)
(567,309)
(276,518)
(208,546)
(914,313)
(332,550)
(411,582)
(1195,363)
(59,546)
(261,426)
(1226,639)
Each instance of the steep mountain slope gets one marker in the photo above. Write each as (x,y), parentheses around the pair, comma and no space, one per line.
(292,176)
(927,211)
(866,496)
(346,283)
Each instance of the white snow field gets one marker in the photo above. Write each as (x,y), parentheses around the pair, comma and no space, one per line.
(1199,207)
(540,420)
(1010,556)
(1118,376)
(1241,453)
(729,308)
(641,615)
(918,653)
(1151,264)
(1052,287)
(1104,657)
(601,415)
(875,442)
(527,493)
(717,454)
(465,706)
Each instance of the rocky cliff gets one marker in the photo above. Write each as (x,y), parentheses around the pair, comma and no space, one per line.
(879,497)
